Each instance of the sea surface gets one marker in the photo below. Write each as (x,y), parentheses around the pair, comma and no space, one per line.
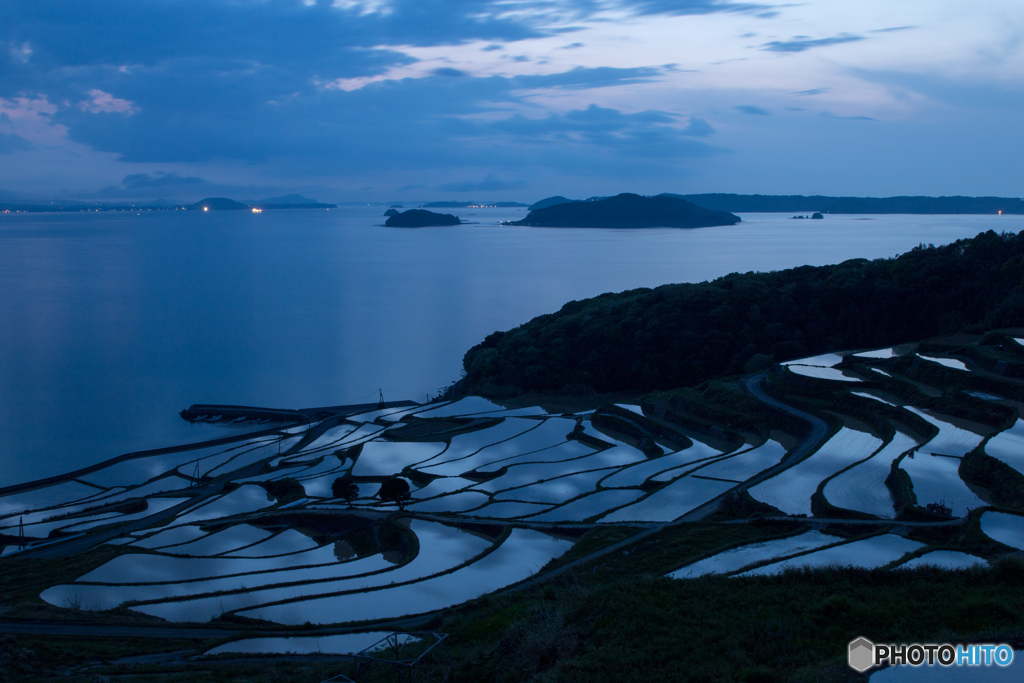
(111,323)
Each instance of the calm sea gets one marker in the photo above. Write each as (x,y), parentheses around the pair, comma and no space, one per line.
(112,323)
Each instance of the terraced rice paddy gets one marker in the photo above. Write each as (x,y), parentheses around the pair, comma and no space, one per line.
(339,644)
(252,529)
(862,487)
(947,362)
(745,465)
(1008,446)
(877,551)
(819,372)
(673,501)
(636,475)
(791,490)
(1005,528)
(515,559)
(736,559)
(936,479)
(944,559)
(951,440)
(826,360)
(879,353)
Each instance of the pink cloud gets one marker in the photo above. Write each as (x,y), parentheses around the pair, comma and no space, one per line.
(104,102)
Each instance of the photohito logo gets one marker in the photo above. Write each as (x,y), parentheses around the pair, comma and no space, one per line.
(862,654)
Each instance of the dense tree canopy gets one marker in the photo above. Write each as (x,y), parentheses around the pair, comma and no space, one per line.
(682,334)
(628,211)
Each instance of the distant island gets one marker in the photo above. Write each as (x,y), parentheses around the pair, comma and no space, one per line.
(763,203)
(472,205)
(418,218)
(391,212)
(628,211)
(224,204)
(290,199)
(754,203)
(550,201)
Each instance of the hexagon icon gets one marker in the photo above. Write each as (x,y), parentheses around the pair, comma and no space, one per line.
(861,656)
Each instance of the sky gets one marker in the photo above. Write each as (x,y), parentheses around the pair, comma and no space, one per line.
(516,100)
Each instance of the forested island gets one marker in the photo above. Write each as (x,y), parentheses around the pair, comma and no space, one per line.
(418,218)
(682,334)
(845,205)
(758,203)
(224,204)
(628,211)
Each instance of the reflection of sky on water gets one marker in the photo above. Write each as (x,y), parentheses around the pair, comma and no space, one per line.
(111,324)
(876,551)
(523,553)
(1005,528)
(446,548)
(345,643)
(737,558)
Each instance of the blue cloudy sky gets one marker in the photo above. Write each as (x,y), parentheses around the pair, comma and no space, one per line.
(508,99)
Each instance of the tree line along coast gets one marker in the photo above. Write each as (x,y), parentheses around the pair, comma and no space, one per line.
(683,334)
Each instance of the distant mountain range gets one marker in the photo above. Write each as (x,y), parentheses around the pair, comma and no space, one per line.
(292,201)
(761,203)
(287,199)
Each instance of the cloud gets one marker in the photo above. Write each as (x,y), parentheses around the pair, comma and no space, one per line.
(582,78)
(751,109)
(490,183)
(646,134)
(12,142)
(164,88)
(847,118)
(698,128)
(105,103)
(449,72)
(801,43)
(20,52)
(680,7)
(144,181)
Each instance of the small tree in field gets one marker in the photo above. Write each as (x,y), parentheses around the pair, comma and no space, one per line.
(395,490)
(345,488)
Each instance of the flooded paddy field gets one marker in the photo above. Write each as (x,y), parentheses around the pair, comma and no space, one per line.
(320,538)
